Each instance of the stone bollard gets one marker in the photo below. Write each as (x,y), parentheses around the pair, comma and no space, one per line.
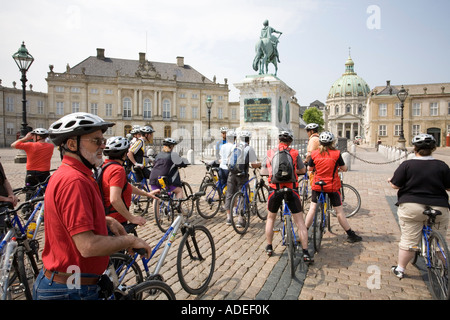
(353,151)
(347,159)
(190,156)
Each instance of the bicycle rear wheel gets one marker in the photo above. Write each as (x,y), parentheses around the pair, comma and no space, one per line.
(305,195)
(290,245)
(318,226)
(26,270)
(439,265)
(150,290)
(240,213)
(164,215)
(187,206)
(261,199)
(196,259)
(351,200)
(128,271)
(209,204)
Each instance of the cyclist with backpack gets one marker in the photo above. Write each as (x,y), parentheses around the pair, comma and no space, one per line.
(284,164)
(114,186)
(240,158)
(136,153)
(326,161)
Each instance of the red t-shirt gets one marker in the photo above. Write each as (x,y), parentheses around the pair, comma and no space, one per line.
(39,154)
(72,205)
(115,176)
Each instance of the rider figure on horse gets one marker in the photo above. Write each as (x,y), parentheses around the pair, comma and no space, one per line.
(266,33)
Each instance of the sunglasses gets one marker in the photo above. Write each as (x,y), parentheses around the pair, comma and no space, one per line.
(97,141)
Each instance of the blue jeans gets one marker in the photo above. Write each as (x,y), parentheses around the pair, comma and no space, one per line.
(45,289)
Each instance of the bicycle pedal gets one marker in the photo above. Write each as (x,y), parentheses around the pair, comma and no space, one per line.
(414,248)
(17,288)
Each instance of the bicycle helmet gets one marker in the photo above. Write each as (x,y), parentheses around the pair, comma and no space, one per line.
(245,134)
(76,124)
(424,141)
(326,138)
(312,126)
(285,136)
(116,147)
(169,142)
(40,132)
(223,129)
(231,133)
(146,129)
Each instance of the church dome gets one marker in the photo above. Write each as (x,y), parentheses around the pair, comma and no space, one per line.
(350,84)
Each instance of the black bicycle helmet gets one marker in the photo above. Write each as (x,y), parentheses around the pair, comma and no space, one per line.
(285,136)
(76,124)
(424,141)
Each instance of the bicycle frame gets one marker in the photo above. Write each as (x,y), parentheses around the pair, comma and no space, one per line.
(286,214)
(244,190)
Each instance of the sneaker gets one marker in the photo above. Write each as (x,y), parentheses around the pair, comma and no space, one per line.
(353,237)
(240,224)
(307,258)
(229,222)
(398,274)
(269,250)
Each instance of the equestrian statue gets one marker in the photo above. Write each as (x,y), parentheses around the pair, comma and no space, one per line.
(266,50)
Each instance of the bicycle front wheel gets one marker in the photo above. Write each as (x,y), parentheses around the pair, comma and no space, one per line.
(290,245)
(240,213)
(187,206)
(164,215)
(196,259)
(209,204)
(351,200)
(318,226)
(439,265)
(150,290)
(261,199)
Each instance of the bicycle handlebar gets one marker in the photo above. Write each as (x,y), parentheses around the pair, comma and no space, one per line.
(9,211)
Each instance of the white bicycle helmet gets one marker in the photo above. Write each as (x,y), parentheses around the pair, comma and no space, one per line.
(285,136)
(326,138)
(169,142)
(224,129)
(231,133)
(146,129)
(312,126)
(424,140)
(40,132)
(245,134)
(76,124)
(116,146)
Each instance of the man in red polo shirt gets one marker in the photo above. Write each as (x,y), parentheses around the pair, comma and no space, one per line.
(77,245)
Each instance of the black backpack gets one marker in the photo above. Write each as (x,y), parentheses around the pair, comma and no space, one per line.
(282,167)
(99,177)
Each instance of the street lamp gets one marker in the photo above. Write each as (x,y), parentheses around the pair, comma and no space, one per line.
(23,60)
(402,95)
(209,103)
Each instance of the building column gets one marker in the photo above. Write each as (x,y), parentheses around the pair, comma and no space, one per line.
(141,104)
(134,107)
(119,102)
(174,105)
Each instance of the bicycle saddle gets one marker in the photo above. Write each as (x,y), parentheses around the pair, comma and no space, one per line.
(431,212)
(321,183)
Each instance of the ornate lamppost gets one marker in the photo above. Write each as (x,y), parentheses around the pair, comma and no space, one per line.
(23,60)
(402,95)
(209,103)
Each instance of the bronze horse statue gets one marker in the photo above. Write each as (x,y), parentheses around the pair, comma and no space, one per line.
(266,52)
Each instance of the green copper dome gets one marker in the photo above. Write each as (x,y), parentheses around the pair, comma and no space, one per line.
(350,84)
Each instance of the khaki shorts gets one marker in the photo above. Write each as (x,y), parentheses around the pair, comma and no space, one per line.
(411,220)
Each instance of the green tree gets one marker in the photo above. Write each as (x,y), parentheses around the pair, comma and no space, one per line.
(314,115)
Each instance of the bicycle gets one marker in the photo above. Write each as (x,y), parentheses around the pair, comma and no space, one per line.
(305,194)
(212,201)
(244,202)
(196,253)
(350,197)
(13,247)
(163,208)
(321,219)
(288,236)
(434,249)
(136,200)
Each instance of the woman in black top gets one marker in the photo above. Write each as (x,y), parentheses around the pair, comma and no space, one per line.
(421,182)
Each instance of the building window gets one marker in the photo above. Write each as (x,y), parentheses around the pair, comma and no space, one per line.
(182,95)
(415,129)
(219,113)
(40,107)
(75,107)
(147,109)
(398,110)
(75,89)
(337,109)
(108,91)
(166,109)
(94,108)
(127,107)
(434,110)
(182,113)
(194,112)
(448,112)
(167,131)
(10,104)
(360,109)
(59,108)
(220,98)
(59,89)
(194,96)
(94,91)
(416,109)
(108,109)
(382,132)
(10,128)
(397,129)
(348,108)
(382,110)
(233,114)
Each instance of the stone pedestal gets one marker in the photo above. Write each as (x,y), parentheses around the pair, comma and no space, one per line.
(266,105)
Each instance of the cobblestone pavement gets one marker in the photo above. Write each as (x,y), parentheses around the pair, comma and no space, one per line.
(341,271)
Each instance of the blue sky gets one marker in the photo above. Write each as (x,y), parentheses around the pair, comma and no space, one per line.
(407,42)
